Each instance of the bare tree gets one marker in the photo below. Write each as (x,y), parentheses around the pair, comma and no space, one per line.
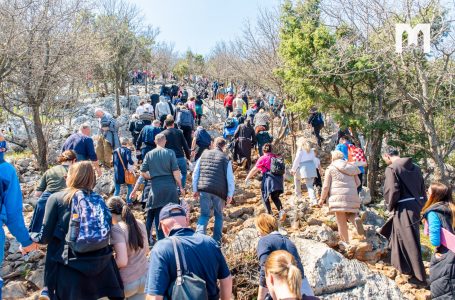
(164,58)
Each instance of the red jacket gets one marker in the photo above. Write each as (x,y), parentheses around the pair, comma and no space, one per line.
(228,100)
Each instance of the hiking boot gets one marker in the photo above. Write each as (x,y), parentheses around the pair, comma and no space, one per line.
(44,295)
(359,226)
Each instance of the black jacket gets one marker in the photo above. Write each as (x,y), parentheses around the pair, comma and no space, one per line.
(88,276)
(175,140)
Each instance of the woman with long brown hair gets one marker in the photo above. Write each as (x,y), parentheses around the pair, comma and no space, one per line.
(70,274)
(129,238)
(52,181)
(439,213)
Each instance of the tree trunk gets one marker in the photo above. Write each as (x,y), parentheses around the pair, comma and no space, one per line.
(117,97)
(40,140)
(373,154)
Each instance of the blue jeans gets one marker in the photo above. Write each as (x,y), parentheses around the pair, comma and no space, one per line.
(117,191)
(38,213)
(145,150)
(208,201)
(181,161)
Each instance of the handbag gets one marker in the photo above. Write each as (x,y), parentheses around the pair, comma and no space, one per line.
(187,286)
(130,177)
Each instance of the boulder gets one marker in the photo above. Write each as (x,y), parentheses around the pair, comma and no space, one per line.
(240,211)
(36,277)
(331,275)
(323,234)
(105,183)
(14,290)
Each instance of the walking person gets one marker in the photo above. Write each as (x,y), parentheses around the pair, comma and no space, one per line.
(213,184)
(317,123)
(439,215)
(136,125)
(198,109)
(108,138)
(162,109)
(129,239)
(161,167)
(201,142)
(146,139)
(272,185)
(245,140)
(11,204)
(340,191)
(82,144)
(271,240)
(237,105)
(185,122)
(262,137)
(305,167)
(52,181)
(404,194)
(175,140)
(262,118)
(72,272)
(228,102)
(199,255)
(123,162)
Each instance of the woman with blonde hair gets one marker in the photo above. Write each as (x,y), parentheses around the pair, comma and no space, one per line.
(283,277)
(52,181)
(439,214)
(270,241)
(304,167)
(70,274)
(340,190)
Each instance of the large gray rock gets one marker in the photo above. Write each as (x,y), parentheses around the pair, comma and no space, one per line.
(331,275)
(14,290)
(105,183)
(323,234)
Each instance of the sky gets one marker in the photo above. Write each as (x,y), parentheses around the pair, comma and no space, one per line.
(199,24)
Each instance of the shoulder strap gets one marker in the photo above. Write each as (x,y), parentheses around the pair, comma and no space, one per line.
(121,160)
(179,279)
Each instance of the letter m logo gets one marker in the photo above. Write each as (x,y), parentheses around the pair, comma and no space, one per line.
(413,36)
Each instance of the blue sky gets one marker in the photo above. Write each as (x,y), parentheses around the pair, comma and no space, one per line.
(199,24)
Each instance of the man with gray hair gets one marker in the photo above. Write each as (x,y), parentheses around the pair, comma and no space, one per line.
(81,143)
(108,138)
(160,166)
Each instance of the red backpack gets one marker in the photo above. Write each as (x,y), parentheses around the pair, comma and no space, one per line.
(355,154)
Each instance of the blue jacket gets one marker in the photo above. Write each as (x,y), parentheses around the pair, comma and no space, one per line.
(11,210)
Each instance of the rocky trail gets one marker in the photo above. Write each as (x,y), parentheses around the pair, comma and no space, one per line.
(360,272)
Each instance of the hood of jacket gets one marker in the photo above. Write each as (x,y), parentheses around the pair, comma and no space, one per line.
(163,99)
(345,167)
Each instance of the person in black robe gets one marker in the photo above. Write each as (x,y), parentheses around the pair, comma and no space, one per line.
(245,139)
(404,193)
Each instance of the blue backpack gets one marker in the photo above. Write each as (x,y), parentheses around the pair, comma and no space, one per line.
(90,223)
(185,118)
(317,120)
(149,135)
(203,138)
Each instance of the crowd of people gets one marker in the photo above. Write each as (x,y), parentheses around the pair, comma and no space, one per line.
(98,248)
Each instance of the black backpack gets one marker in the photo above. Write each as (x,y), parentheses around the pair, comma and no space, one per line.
(203,138)
(229,123)
(317,119)
(277,166)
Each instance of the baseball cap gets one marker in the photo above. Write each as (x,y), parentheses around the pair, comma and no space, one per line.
(172,210)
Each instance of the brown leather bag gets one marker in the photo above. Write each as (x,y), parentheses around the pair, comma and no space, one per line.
(130,177)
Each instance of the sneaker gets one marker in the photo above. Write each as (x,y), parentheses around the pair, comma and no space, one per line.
(282,215)
(44,295)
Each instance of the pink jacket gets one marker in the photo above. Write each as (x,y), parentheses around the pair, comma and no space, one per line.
(340,187)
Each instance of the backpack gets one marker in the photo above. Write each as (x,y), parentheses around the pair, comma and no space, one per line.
(277,166)
(146,116)
(317,120)
(185,95)
(149,136)
(185,118)
(355,154)
(187,285)
(171,108)
(203,138)
(264,137)
(90,223)
(229,123)
(138,126)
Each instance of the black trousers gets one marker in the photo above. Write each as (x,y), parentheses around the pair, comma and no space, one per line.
(317,133)
(198,119)
(275,196)
(228,110)
(187,133)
